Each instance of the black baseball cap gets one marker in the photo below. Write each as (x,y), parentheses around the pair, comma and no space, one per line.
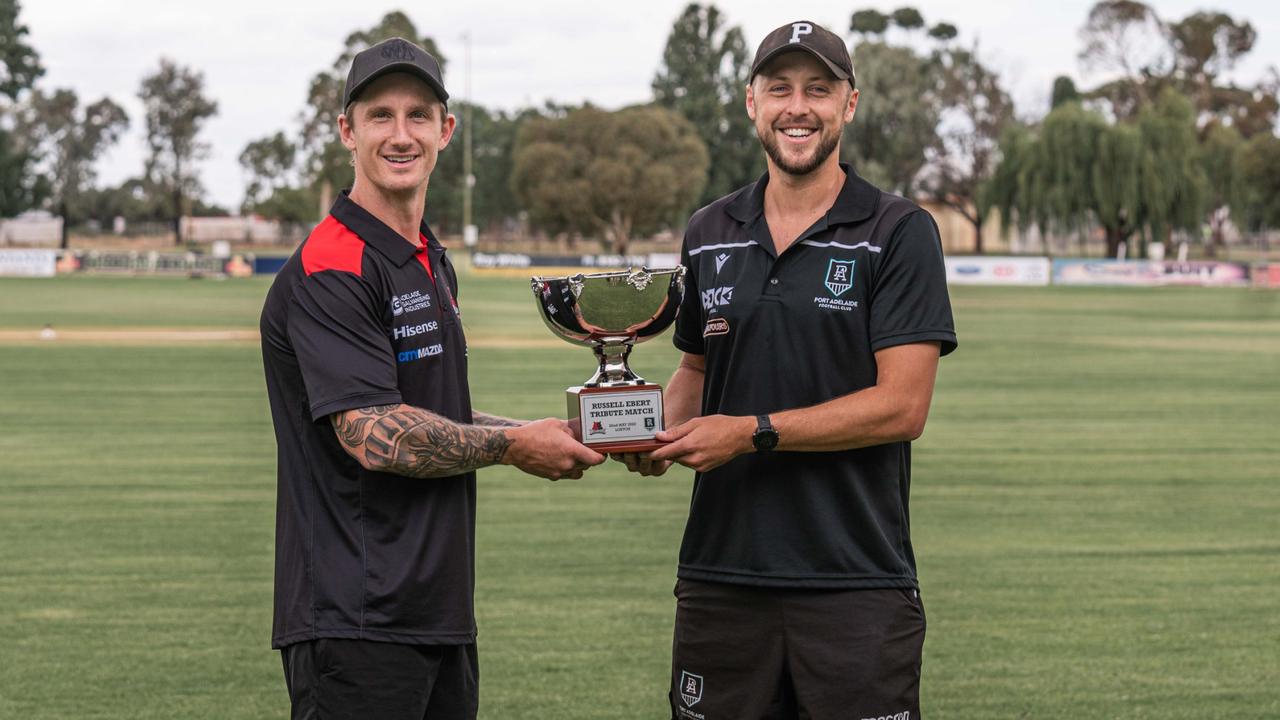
(388,56)
(811,38)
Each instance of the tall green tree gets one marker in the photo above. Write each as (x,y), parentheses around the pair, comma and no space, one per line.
(19,62)
(69,139)
(1259,166)
(269,163)
(1076,169)
(176,111)
(703,77)
(492,199)
(609,174)
(976,110)
(20,189)
(1218,156)
(896,124)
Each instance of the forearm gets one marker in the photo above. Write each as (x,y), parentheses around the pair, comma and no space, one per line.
(413,442)
(872,416)
(892,410)
(495,421)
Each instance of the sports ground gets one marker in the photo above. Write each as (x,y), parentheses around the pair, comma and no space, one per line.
(1094,510)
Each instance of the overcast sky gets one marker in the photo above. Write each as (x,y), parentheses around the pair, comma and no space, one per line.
(258,56)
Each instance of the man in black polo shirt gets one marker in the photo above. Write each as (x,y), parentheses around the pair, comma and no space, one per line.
(366,369)
(814,315)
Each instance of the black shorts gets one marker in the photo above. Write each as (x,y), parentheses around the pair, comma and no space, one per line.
(332,679)
(752,653)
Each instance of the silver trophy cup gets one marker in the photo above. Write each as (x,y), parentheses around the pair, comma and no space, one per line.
(610,312)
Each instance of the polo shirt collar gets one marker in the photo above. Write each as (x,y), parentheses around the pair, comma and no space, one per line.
(376,233)
(856,202)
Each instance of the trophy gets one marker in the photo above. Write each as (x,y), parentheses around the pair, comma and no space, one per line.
(615,410)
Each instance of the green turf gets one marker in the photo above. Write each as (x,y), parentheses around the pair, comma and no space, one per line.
(1094,511)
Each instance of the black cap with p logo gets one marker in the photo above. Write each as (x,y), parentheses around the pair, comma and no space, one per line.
(811,38)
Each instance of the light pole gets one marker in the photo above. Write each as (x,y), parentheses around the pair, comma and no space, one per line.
(469,234)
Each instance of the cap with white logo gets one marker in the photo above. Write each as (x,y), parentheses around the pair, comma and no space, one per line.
(811,38)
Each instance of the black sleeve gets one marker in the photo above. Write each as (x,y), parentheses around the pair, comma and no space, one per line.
(909,302)
(688,334)
(343,351)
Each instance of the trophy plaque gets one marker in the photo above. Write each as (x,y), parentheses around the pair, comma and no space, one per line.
(615,410)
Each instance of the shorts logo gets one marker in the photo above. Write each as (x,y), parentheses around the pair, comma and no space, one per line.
(716,326)
(839,276)
(721,259)
(690,688)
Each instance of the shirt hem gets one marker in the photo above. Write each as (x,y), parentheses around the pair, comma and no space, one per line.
(436,638)
(817,582)
(946,337)
(353,402)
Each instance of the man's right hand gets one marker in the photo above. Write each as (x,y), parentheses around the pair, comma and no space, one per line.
(547,448)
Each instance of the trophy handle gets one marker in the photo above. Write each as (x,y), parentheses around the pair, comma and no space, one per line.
(612,354)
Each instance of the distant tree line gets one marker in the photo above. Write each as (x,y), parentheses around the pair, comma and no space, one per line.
(1166,143)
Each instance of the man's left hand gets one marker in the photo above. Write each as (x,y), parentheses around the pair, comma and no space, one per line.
(704,443)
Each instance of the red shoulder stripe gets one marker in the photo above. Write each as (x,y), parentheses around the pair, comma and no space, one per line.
(332,246)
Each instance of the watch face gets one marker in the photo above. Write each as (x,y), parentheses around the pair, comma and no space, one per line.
(765,439)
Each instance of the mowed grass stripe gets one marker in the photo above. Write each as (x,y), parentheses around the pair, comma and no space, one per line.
(1094,508)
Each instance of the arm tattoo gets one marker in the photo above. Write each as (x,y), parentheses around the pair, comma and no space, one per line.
(487,420)
(413,442)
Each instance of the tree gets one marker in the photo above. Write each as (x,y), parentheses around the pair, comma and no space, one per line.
(492,200)
(19,63)
(703,77)
(1064,91)
(976,112)
(1259,166)
(1219,150)
(869,22)
(69,139)
(896,124)
(176,110)
(326,162)
(20,189)
(269,163)
(1077,168)
(616,173)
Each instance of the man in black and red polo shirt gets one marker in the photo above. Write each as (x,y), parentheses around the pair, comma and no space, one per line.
(366,369)
(814,315)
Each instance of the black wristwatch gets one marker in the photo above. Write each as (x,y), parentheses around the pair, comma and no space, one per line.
(765,438)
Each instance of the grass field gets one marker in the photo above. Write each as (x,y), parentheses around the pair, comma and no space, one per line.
(1095,512)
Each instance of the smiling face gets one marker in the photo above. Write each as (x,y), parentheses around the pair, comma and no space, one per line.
(799,109)
(395,131)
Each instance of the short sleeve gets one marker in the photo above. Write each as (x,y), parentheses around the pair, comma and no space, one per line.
(688,334)
(343,352)
(909,301)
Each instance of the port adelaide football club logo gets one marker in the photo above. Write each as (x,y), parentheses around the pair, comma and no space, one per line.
(690,688)
(839,281)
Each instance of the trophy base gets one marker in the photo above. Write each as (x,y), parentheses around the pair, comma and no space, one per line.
(617,419)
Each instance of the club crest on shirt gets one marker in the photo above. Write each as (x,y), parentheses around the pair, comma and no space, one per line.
(839,276)
(690,688)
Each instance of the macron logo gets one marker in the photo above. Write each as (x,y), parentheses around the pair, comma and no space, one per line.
(721,259)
